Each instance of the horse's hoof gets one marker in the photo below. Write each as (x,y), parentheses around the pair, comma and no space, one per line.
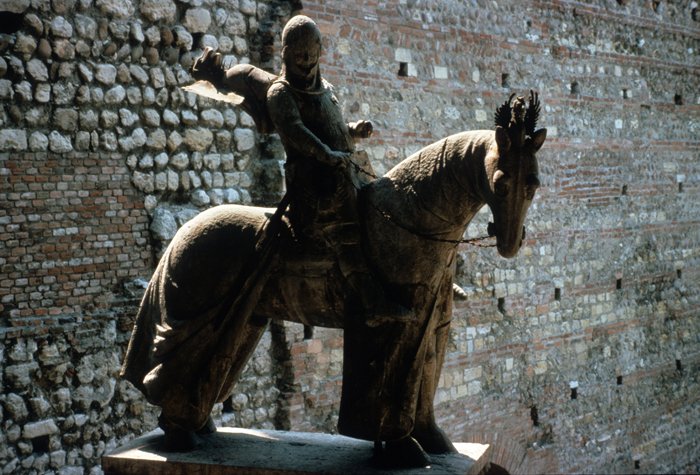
(403,453)
(208,428)
(434,441)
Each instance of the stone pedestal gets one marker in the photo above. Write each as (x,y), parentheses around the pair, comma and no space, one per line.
(256,452)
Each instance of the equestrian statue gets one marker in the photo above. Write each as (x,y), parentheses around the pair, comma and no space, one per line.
(373,256)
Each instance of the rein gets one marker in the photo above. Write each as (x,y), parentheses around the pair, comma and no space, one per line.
(473,241)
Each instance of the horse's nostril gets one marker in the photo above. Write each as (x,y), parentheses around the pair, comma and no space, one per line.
(523,238)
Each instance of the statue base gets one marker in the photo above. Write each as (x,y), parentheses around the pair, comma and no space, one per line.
(231,451)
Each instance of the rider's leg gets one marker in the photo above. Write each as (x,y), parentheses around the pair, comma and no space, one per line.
(345,239)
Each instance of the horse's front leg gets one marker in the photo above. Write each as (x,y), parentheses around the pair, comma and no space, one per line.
(426,431)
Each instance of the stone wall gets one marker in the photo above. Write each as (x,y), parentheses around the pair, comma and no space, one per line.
(581,354)
(102,158)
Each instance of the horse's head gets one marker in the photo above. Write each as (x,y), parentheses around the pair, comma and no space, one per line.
(511,169)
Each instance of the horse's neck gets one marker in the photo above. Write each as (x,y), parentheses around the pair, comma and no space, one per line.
(439,187)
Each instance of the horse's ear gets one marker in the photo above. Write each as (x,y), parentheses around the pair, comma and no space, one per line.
(502,139)
(538,138)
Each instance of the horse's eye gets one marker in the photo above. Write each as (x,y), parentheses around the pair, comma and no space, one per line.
(500,183)
(531,185)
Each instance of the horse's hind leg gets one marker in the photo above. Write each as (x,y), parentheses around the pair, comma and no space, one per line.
(254,330)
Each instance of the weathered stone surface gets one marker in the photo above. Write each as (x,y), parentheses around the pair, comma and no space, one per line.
(58,143)
(63,49)
(179,161)
(212,118)
(170,118)
(198,139)
(88,119)
(163,225)
(106,74)
(38,429)
(236,24)
(108,119)
(25,44)
(174,140)
(155,10)
(245,139)
(15,407)
(14,6)
(143,181)
(156,140)
(197,20)
(13,140)
(150,117)
(183,39)
(38,142)
(65,119)
(199,198)
(60,27)
(116,8)
(115,96)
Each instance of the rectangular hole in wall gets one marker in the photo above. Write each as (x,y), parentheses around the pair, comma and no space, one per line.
(637,465)
(619,380)
(308,332)
(505,80)
(41,444)
(557,294)
(678,100)
(534,416)
(625,93)
(624,190)
(679,273)
(574,393)
(680,187)
(502,304)
(403,69)
(575,88)
(679,366)
(618,284)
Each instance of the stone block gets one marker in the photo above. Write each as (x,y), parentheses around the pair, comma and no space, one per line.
(13,140)
(38,429)
(117,8)
(156,10)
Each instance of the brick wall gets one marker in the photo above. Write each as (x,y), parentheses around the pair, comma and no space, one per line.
(603,297)
(102,157)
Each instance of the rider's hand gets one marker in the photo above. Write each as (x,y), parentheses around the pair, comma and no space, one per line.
(361,129)
(208,67)
(339,159)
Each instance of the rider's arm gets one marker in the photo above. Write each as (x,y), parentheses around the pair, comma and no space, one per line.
(285,115)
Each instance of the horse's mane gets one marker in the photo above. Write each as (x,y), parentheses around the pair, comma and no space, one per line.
(438,180)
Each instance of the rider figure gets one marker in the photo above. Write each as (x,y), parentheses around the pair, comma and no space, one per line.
(318,144)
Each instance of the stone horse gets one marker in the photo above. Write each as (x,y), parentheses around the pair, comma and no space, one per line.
(231,269)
